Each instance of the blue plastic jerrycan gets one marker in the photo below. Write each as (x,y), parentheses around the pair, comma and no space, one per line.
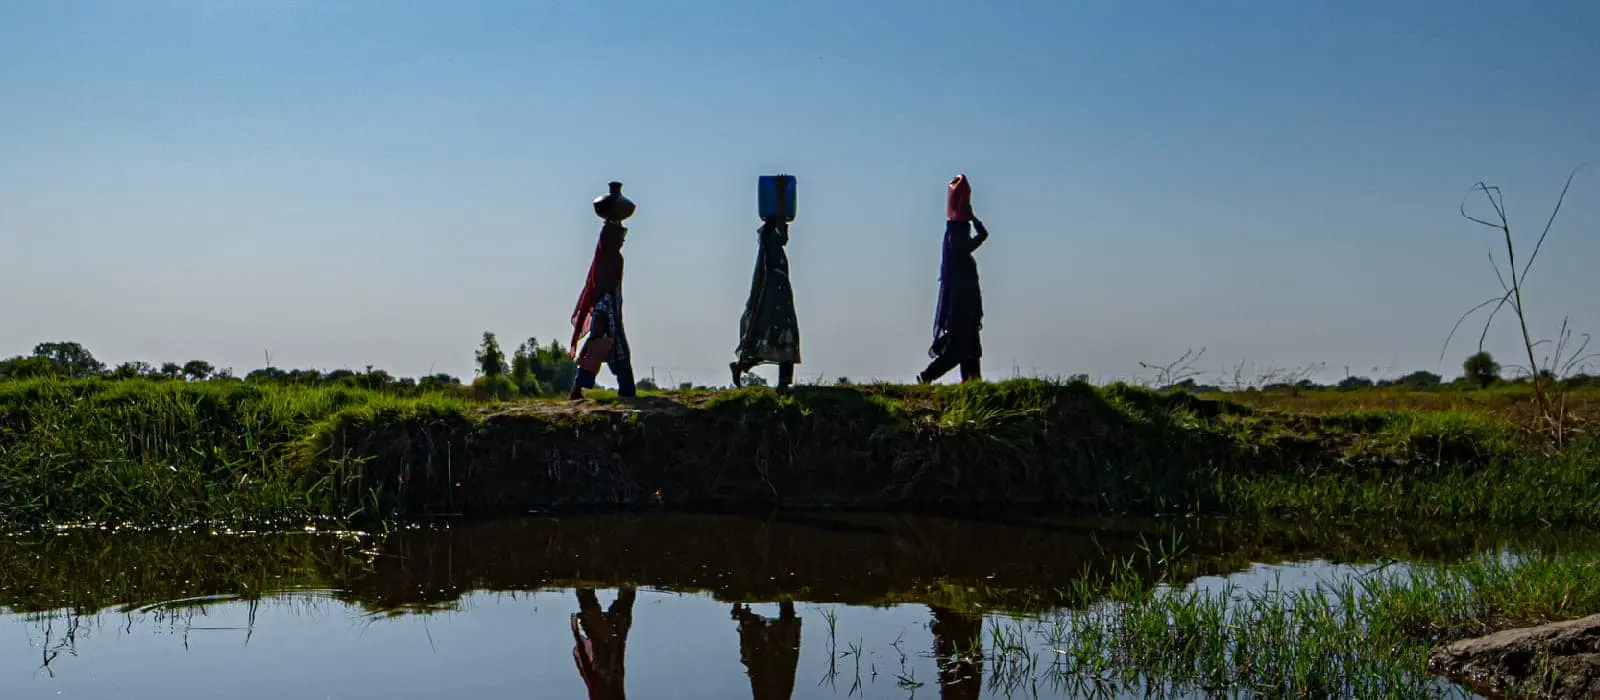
(769,190)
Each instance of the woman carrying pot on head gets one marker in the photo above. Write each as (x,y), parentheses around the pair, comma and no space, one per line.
(958,318)
(599,311)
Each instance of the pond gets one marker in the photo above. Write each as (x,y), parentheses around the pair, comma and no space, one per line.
(794,605)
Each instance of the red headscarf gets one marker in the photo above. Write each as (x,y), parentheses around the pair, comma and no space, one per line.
(605,274)
(959,196)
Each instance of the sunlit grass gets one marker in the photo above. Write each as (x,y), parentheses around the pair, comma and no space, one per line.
(173,451)
(1363,635)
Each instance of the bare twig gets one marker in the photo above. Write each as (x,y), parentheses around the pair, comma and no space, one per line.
(1513,283)
(1176,371)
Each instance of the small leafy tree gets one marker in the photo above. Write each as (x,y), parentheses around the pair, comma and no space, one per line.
(197,369)
(497,387)
(522,374)
(171,370)
(1480,369)
(25,367)
(377,379)
(132,370)
(552,365)
(438,382)
(72,359)
(491,360)
(1421,379)
(1353,383)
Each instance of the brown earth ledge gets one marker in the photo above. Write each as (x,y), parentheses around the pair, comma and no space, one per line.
(1556,660)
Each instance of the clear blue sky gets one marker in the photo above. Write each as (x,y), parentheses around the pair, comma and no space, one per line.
(344,183)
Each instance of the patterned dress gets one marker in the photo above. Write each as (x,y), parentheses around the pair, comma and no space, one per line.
(769,331)
(606,319)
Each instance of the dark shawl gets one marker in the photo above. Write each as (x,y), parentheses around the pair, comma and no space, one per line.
(959,313)
(960,308)
(605,275)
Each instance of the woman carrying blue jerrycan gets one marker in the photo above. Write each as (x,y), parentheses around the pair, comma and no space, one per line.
(769,331)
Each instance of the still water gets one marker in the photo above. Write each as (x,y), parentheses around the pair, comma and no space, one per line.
(612,606)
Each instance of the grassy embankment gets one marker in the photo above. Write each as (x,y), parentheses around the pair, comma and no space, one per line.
(176,452)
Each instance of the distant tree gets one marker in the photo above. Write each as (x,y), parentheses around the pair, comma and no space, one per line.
(1353,383)
(197,369)
(70,358)
(1081,378)
(491,360)
(132,370)
(1480,369)
(171,370)
(377,379)
(522,374)
(685,386)
(552,365)
(339,376)
(25,367)
(842,381)
(438,382)
(266,374)
(1421,379)
(535,358)
(751,379)
(496,387)
(646,384)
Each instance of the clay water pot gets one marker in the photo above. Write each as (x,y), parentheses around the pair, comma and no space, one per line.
(613,206)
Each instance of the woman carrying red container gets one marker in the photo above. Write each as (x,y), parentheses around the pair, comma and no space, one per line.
(958,319)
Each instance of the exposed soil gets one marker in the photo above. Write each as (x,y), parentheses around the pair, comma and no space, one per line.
(1557,660)
(1070,448)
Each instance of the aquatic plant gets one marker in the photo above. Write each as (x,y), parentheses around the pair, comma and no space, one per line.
(1361,635)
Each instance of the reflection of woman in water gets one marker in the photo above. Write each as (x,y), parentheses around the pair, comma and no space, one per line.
(958,651)
(600,657)
(770,650)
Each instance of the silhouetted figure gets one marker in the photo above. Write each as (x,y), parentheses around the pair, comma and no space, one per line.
(958,651)
(769,331)
(599,315)
(600,657)
(770,650)
(958,319)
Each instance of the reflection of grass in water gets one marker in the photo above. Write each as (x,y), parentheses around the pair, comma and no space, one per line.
(1365,634)
(59,632)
